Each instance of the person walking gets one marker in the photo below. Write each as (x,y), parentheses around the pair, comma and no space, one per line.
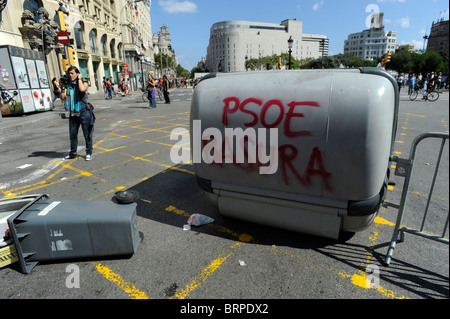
(151,92)
(105,90)
(80,113)
(112,85)
(411,83)
(56,92)
(109,88)
(166,89)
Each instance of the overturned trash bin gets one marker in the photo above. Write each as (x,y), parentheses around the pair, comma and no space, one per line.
(303,150)
(44,229)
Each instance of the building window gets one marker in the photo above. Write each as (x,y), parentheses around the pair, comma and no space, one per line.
(119,51)
(103,42)
(79,38)
(93,40)
(33,6)
(111,48)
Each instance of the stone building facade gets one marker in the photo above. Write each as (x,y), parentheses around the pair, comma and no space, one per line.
(105,35)
(231,42)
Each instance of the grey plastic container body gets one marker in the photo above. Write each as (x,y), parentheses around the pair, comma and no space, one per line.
(336,130)
(47,229)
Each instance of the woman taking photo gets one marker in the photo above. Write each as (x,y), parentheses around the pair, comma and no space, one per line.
(80,112)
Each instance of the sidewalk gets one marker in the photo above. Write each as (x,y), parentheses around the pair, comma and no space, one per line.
(10,125)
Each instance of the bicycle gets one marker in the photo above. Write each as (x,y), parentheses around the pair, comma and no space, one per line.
(158,92)
(432,95)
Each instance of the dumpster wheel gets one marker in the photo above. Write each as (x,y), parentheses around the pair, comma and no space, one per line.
(127,197)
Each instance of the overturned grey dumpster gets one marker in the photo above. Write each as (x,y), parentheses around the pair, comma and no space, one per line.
(304,150)
(44,229)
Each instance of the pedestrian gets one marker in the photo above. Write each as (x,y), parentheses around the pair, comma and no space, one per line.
(151,92)
(56,91)
(411,83)
(81,112)
(105,90)
(423,85)
(109,88)
(112,85)
(166,89)
(400,81)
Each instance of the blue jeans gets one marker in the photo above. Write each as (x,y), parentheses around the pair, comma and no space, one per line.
(151,99)
(74,124)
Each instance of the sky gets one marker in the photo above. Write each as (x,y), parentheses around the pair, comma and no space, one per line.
(190,21)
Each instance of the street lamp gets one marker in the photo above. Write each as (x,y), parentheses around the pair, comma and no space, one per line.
(161,42)
(290,42)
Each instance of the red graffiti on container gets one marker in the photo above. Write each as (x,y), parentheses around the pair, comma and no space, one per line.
(288,153)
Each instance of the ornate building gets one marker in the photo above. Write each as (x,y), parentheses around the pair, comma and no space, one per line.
(163,46)
(101,31)
(438,38)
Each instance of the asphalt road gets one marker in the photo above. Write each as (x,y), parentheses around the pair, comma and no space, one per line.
(227,259)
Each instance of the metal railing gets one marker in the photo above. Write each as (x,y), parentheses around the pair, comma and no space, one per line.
(404,168)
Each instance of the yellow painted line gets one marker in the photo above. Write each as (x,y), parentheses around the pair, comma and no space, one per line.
(176,167)
(205,273)
(108,149)
(358,280)
(400,142)
(382,221)
(416,115)
(46,182)
(426,195)
(362,282)
(127,287)
(118,188)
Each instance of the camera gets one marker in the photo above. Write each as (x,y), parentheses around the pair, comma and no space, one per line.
(64,80)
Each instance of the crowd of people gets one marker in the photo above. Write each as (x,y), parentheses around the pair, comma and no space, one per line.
(124,85)
(424,83)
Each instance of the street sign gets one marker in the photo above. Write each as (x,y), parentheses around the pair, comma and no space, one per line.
(62,37)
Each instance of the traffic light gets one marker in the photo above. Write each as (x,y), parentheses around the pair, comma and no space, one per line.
(63,25)
(65,64)
(387,57)
(279,63)
(72,56)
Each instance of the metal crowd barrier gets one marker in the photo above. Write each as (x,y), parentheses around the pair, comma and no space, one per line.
(404,168)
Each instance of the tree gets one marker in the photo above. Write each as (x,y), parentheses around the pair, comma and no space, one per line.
(417,62)
(271,62)
(402,62)
(167,61)
(182,72)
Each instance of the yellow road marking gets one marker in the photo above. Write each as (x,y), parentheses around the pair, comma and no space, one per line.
(380,220)
(128,288)
(205,273)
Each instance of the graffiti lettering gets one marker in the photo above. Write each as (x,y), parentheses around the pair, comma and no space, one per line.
(258,111)
(232,105)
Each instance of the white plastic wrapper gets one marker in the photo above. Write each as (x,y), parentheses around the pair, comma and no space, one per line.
(199,219)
